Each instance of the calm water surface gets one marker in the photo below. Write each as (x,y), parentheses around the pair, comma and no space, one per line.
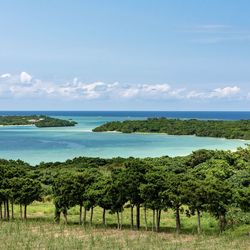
(57,144)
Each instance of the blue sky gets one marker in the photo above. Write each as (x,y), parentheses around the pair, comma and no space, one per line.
(125,55)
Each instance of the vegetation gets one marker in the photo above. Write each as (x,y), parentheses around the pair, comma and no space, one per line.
(37,120)
(204,193)
(39,233)
(214,128)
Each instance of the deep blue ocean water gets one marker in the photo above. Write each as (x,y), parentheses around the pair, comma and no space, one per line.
(34,145)
(222,115)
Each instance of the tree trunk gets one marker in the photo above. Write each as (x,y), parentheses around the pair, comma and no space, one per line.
(158,220)
(222,219)
(21,211)
(157,217)
(199,221)
(118,220)
(178,222)
(145,218)
(104,217)
(132,216)
(85,216)
(138,217)
(5,209)
(65,214)
(91,215)
(8,209)
(153,220)
(12,209)
(57,214)
(80,216)
(121,220)
(25,212)
(1,211)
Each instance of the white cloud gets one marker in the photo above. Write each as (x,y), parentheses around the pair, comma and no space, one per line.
(130,92)
(6,75)
(195,94)
(225,92)
(155,88)
(25,77)
(12,85)
(145,90)
(215,93)
(178,93)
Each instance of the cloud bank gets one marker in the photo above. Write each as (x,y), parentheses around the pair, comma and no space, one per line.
(23,85)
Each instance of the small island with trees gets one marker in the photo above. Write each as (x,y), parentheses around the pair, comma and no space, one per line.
(239,129)
(40,121)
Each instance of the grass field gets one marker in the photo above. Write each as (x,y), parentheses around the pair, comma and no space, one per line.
(39,232)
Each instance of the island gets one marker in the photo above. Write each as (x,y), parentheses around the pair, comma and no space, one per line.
(239,129)
(40,121)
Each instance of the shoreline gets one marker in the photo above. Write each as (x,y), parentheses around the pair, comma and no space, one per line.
(165,134)
(25,125)
(62,160)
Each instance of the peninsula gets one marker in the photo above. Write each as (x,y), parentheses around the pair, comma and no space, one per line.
(37,120)
(239,129)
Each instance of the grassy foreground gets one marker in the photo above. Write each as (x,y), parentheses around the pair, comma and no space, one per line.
(39,232)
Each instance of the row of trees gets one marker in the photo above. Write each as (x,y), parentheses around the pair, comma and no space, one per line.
(205,181)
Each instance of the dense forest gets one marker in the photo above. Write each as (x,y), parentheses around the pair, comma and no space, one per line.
(214,128)
(215,182)
(37,120)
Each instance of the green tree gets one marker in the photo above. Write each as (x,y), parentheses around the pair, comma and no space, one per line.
(101,191)
(175,193)
(64,194)
(133,177)
(30,190)
(154,196)
(195,196)
(82,184)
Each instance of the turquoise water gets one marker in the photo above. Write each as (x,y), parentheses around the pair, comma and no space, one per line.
(34,145)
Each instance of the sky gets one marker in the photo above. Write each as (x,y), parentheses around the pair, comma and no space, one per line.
(125,55)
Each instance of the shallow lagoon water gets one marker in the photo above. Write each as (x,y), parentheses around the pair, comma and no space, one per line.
(34,145)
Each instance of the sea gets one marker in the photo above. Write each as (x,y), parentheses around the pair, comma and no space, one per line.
(35,145)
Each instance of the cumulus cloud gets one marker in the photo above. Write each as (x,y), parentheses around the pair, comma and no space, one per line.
(24,85)
(25,77)
(225,92)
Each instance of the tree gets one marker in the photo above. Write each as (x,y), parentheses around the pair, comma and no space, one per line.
(215,175)
(241,188)
(10,170)
(64,194)
(199,156)
(195,197)
(219,198)
(133,177)
(153,194)
(175,193)
(82,183)
(118,194)
(30,190)
(101,191)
